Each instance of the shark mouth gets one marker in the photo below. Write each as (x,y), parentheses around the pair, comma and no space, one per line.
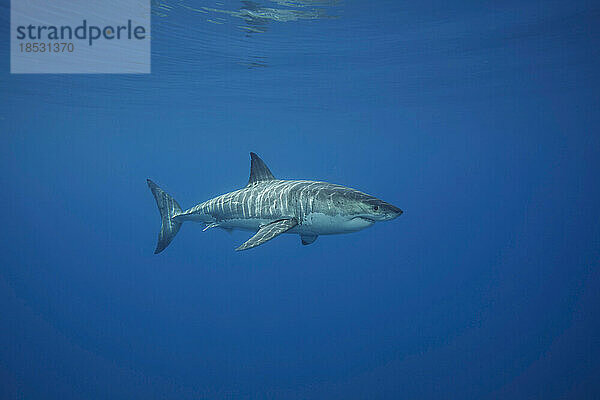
(372,221)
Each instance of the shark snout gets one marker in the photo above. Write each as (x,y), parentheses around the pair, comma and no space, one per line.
(382,211)
(392,211)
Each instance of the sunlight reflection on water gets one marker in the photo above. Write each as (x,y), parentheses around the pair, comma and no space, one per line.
(256,16)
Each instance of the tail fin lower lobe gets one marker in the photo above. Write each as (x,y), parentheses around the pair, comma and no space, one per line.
(168,208)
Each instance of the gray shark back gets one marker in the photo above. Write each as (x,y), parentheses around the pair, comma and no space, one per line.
(277,199)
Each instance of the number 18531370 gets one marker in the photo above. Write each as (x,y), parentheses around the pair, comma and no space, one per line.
(46,47)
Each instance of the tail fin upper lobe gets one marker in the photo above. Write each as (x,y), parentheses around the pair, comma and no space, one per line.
(168,207)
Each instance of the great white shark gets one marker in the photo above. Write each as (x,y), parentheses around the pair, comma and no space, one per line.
(270,207)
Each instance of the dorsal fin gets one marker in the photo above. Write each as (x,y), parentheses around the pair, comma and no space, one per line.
(258,170)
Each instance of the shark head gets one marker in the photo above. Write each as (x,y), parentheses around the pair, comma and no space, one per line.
(358,210)
(369,208)
(377,210)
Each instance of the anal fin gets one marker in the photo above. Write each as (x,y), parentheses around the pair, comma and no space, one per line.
(211,225)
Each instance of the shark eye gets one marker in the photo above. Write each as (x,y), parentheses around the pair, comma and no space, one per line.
(375,208)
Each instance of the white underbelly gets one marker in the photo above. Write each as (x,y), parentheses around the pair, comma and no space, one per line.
(244,224)
(322,224)
(314,223)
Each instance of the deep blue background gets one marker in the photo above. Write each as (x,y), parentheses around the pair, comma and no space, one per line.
(479,119)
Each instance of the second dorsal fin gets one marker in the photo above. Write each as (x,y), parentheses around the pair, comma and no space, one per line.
(258,170)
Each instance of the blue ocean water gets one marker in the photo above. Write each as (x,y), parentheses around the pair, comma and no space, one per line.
(479,119)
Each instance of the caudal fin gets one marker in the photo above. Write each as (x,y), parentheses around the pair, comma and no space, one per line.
(168,207)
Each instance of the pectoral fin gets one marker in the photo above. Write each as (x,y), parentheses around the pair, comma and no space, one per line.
(268,232)
(307,238)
